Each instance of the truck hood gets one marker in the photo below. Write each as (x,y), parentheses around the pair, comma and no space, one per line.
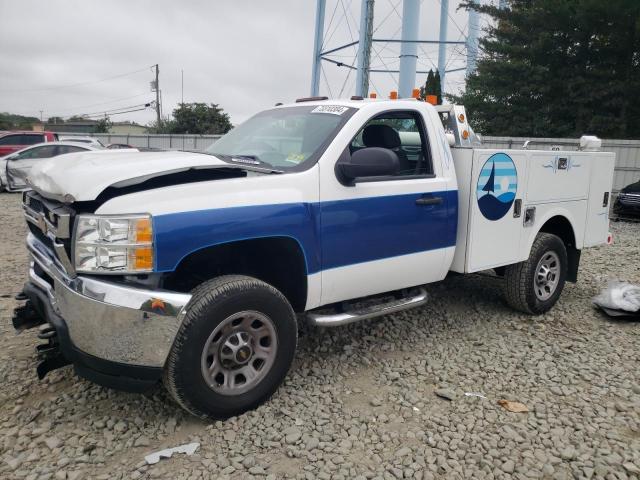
(83,176)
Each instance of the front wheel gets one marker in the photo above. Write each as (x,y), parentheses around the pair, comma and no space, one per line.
(534,286)
(234,348)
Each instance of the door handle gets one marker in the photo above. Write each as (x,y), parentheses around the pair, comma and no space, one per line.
(429,201)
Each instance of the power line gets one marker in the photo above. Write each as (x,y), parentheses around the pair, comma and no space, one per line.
(61,87)
(75,109)
(114,111)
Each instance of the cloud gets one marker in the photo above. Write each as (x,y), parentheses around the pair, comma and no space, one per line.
(244,55)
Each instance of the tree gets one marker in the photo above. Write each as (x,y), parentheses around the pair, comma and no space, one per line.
(200,118)
(103,125)
(432,87)
(557,69)
(55,120)
(10,121)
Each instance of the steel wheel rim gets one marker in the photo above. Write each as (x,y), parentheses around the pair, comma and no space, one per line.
(547,276)
(239,353)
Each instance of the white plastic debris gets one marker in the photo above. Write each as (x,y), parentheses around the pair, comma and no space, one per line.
(474,394)
(619,296)
(189,449)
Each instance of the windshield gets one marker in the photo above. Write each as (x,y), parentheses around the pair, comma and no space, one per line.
(291,138)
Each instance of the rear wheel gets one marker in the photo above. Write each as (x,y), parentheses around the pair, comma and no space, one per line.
(233,349)
(534,286)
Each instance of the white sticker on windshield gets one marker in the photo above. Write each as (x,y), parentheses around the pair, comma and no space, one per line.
(334,109)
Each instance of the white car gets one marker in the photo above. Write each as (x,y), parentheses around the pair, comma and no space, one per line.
(90,140)
(14,168)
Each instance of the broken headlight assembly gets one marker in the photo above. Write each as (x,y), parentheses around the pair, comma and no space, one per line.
(113,244)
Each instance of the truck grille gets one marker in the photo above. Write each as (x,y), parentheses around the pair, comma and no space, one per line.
(50,222)
(629,199)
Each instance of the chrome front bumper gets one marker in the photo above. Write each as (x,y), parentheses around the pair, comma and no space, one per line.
(111,321)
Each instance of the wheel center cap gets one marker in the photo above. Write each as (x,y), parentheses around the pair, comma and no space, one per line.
(243,354)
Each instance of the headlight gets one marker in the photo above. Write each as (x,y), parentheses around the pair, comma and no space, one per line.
(118,244)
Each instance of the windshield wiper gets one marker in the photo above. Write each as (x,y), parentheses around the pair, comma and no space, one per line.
(249,162)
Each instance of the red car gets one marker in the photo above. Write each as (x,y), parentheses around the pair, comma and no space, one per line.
(16,140)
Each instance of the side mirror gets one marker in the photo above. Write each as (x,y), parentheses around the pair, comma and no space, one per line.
(367,162)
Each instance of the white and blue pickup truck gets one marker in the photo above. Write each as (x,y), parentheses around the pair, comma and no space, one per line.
(193,269)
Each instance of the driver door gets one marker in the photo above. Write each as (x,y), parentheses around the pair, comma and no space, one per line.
(384,234)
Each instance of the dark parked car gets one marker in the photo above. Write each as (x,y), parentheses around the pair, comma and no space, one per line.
(628,201)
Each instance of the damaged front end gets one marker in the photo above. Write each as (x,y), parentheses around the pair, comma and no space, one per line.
(114,333)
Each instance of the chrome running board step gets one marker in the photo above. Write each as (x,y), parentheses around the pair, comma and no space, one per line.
(416,298)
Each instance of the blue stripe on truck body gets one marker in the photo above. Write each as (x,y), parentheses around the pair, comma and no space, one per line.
(331,234)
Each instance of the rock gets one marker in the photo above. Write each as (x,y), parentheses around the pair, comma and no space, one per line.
(249,461)
(14,463)
(257,470)
(312,443)
(292,435)
(142,441)
(446,393)
(375,402)
(52,442)
(631,468)
(403,451)
(569,453)
(508,466)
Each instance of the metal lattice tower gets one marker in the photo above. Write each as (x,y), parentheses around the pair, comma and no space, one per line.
(409,43)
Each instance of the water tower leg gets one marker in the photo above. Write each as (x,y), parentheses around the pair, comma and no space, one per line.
(409,48)
(317,48)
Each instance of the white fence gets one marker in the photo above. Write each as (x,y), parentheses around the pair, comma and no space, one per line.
(627,151)
(163,142)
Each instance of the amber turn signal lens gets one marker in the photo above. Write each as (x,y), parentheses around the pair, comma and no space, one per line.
(143,258)
(465,134)
(393,95)
(461,117)
(144,232)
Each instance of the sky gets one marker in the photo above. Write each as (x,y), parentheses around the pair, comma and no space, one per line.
(72,57)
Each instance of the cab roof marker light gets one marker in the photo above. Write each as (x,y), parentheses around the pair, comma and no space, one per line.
(415,93)
(393,95)
(310,99)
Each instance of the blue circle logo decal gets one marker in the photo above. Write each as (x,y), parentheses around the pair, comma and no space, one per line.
(497,186)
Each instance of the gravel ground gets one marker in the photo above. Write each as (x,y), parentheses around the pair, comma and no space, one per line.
(366,400)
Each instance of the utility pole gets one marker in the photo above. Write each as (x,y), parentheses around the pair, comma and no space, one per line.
(364,47)
(157,84)
(40,116)
(182,86)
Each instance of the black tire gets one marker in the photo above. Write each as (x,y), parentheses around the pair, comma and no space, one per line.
(520,278)
(213,302)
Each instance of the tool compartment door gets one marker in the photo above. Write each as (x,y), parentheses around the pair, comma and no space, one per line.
(597,225)
(498,182)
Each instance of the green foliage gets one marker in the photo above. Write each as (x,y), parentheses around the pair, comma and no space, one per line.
(199,118)
(103,125)
(553,68)
(55,120)
(432,86)
(10,121)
